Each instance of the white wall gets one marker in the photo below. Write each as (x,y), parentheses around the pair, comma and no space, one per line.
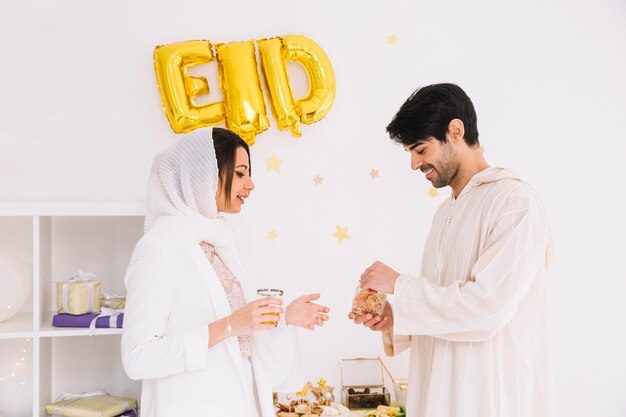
(80,120)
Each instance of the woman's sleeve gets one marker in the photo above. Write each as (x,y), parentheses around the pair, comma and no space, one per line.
(147,352)
(281,357)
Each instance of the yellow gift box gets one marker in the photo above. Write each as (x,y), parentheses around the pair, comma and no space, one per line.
(115,303)
(91,406)
(79,295)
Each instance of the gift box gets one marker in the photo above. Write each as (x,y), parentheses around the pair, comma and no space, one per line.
(79,295)
(131,413)
(116,303)
(87,405)
(85,320)
(400,387)
(362,383)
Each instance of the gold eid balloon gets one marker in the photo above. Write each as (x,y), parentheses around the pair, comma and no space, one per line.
(284,106)
(316,104)
(289,112)
(243,108)
(243,98)
(178,90)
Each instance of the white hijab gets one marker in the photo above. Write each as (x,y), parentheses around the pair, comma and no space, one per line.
(182,187)
(183,180)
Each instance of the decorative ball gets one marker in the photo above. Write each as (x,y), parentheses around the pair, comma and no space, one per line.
(15,282)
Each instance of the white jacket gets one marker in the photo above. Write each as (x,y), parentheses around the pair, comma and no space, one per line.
(173,294)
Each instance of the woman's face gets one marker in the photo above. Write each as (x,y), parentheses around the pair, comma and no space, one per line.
(241,187)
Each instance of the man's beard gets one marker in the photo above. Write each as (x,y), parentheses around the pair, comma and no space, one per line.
(446,168)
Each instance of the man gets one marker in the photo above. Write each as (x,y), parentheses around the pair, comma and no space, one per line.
(475,317)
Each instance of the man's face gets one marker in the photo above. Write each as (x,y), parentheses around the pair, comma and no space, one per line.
(438,161)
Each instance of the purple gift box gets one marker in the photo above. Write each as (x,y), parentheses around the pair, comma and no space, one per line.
(84,320)
(131,413)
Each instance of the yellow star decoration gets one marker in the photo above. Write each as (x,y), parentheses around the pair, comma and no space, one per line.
(318,180)
(273,163)
(321,382)
(392,39)
(272,235)
(374,173)
(433,192)
(341,233)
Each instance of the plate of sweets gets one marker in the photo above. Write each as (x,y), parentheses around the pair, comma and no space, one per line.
(386,411)
(299,408)
(335,410)
(304,408)
(322,406)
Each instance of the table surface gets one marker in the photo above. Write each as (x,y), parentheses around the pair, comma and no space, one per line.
(358,413)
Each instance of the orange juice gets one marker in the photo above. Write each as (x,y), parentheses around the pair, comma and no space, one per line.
(275,323)
(274,293)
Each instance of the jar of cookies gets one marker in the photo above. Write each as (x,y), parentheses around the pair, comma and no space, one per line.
(368,301)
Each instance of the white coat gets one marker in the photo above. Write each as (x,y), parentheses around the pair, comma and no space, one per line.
(173,294)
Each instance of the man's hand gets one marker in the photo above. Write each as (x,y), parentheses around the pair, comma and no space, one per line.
(376,323)
(379,277)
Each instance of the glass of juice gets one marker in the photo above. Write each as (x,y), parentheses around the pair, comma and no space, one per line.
(274,293)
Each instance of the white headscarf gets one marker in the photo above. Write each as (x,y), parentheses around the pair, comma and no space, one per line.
(181,190)
(183,180)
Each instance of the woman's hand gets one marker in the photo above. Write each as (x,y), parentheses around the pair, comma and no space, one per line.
(253,315)
(302,312)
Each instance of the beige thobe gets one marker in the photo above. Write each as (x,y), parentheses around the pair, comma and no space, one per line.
(475,319)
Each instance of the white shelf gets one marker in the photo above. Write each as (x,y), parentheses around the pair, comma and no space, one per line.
(48,330)
(55,239)
(19,326)
(73,209)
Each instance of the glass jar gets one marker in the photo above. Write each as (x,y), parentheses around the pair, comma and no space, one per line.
(368,302)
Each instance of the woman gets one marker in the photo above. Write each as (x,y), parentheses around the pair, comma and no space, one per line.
(189,334)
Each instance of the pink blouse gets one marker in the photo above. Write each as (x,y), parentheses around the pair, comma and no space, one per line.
(233,290)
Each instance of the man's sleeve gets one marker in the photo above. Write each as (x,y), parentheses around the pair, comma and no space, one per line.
(395,344)
(514,256)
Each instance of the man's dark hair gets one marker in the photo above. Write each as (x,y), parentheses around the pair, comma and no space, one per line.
(428,112)
(226,143)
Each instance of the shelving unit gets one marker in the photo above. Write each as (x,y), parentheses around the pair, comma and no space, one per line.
(55,240)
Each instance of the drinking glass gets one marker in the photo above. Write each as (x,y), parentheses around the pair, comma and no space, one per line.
(274,293)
